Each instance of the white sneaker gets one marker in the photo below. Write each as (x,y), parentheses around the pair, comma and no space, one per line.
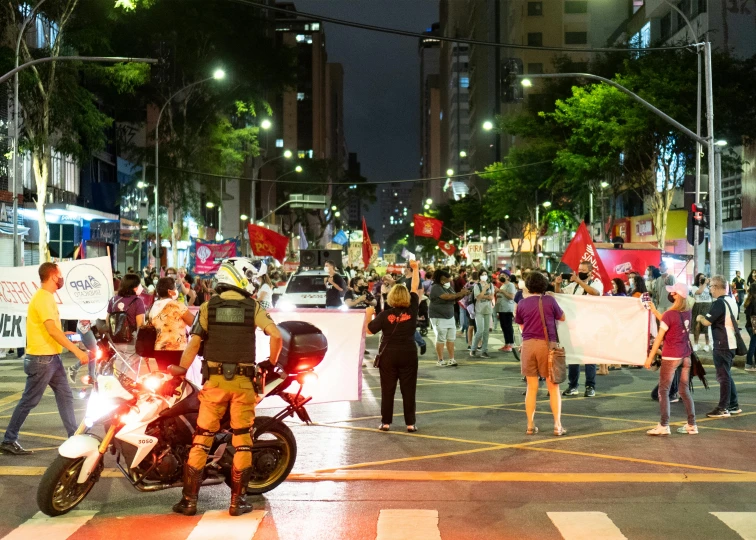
(441,363)
(706,348)
(696,347)
(750,368)
(659,430)
(687,429)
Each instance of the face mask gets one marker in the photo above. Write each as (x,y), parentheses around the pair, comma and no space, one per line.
(583,275)
(59,283)
(632,281)
(447,285)
(154,281)
(484,278)
(139,290)
(671,298)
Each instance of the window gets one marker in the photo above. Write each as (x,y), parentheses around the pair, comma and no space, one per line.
(464,82)
(576,38)
(315,27)
(535,39)
(300,38)
(572,6)
(309,154)
(301,154)
(702,6)
(300,96)
(535,9)
(535,68)
(279,143)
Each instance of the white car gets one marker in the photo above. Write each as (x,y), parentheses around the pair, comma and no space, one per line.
(304,289)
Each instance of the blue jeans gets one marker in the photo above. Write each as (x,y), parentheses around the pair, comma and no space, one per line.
(42,371)
(463,322)
(667,374)
(728,395)
(750,360)
(590,375)
(419,339)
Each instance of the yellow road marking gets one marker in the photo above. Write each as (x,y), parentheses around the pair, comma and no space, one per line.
(578,478)
(54,437)
(406,434)
(11,470)
(636,460)
(11,398)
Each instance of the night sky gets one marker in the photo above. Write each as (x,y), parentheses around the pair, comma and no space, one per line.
(381,80)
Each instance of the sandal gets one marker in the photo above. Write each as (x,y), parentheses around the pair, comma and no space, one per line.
(532,431)
(412,429)
(385,427)
(559,432)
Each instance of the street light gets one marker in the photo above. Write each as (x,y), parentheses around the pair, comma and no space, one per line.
(337,214)
(210,204)
(244,217)
(427,207)
(218,74)
(266,124)
(298,168)
(546,204)
(604,185)
(488,125)
(429,201)
(141,185)
(462,154)
(334,208)
(527,83)
(287,154)
(449,172)
(721,142)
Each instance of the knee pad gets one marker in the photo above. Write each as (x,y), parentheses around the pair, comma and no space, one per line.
(202,432)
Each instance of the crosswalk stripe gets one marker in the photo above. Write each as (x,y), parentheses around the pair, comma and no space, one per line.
(408,525)
(219,525)
(585,526)
(49,528)
(743,523)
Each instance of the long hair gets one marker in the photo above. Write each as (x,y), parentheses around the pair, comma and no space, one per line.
(639,284)
(751,294)
(620,286)
(681,304)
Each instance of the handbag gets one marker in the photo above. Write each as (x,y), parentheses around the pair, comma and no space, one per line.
(146,337)
(740,348)
(557,356)
(382,346)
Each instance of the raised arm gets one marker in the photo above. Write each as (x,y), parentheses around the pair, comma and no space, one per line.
(415,277)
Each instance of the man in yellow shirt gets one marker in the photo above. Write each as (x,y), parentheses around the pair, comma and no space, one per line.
(45,341)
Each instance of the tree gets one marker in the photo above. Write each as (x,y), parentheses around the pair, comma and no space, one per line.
(60,114)
(211,127)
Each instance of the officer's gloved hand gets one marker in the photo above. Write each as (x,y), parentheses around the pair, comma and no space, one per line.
(169,387)
(266,366)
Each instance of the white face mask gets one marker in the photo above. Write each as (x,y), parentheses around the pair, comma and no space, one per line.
(447,285)
(484,278)
(632,281)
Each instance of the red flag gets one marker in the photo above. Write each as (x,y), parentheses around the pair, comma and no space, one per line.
(367,247)
(266,242)
(447,248)
(581,249)
(425,226)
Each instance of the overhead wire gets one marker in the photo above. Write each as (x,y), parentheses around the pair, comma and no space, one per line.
(407,33)
(379,182)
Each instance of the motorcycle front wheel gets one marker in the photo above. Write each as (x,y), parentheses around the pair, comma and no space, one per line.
(59,492)
(273,455)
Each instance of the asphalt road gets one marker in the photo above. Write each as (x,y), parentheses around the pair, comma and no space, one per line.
(470,473)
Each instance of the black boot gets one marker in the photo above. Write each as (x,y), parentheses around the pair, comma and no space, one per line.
(239,481)
(192,482)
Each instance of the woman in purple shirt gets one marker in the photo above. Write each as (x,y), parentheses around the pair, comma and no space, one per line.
(674,332)
(535,349)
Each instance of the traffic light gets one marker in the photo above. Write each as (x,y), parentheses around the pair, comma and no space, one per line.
(700,214)
(697,216)
(511,89)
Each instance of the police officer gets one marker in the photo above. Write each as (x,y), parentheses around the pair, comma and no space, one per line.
(227,324)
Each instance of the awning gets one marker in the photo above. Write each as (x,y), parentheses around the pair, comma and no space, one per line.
(54,212)
(739,240)
(7,228)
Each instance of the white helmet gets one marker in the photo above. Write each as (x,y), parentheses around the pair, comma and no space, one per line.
(237,273)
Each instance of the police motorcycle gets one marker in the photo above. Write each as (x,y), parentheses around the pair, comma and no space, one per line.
(150,434)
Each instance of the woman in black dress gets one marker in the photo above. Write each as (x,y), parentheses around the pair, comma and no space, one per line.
(397,351)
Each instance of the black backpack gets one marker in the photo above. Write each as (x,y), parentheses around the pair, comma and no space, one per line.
(120,329)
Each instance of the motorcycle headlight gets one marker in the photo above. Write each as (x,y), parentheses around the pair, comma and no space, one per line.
(99,408)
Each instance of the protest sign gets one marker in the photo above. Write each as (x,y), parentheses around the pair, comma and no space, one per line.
(205,256)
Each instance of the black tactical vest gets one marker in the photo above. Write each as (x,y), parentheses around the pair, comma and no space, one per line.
(231,331)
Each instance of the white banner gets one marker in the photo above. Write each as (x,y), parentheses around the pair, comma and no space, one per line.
(12,331)
(88,286)
(603,329)
(340,372)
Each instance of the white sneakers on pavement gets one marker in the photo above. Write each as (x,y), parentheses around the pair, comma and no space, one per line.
(687,429)
(659,430)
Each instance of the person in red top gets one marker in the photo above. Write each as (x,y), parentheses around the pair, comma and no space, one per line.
(674,332)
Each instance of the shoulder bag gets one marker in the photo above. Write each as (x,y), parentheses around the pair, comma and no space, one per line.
(382,346)
(557,357)
(146,337)
(740,347)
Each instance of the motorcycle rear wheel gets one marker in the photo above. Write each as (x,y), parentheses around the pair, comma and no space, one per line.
(271,468)
(59,492)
